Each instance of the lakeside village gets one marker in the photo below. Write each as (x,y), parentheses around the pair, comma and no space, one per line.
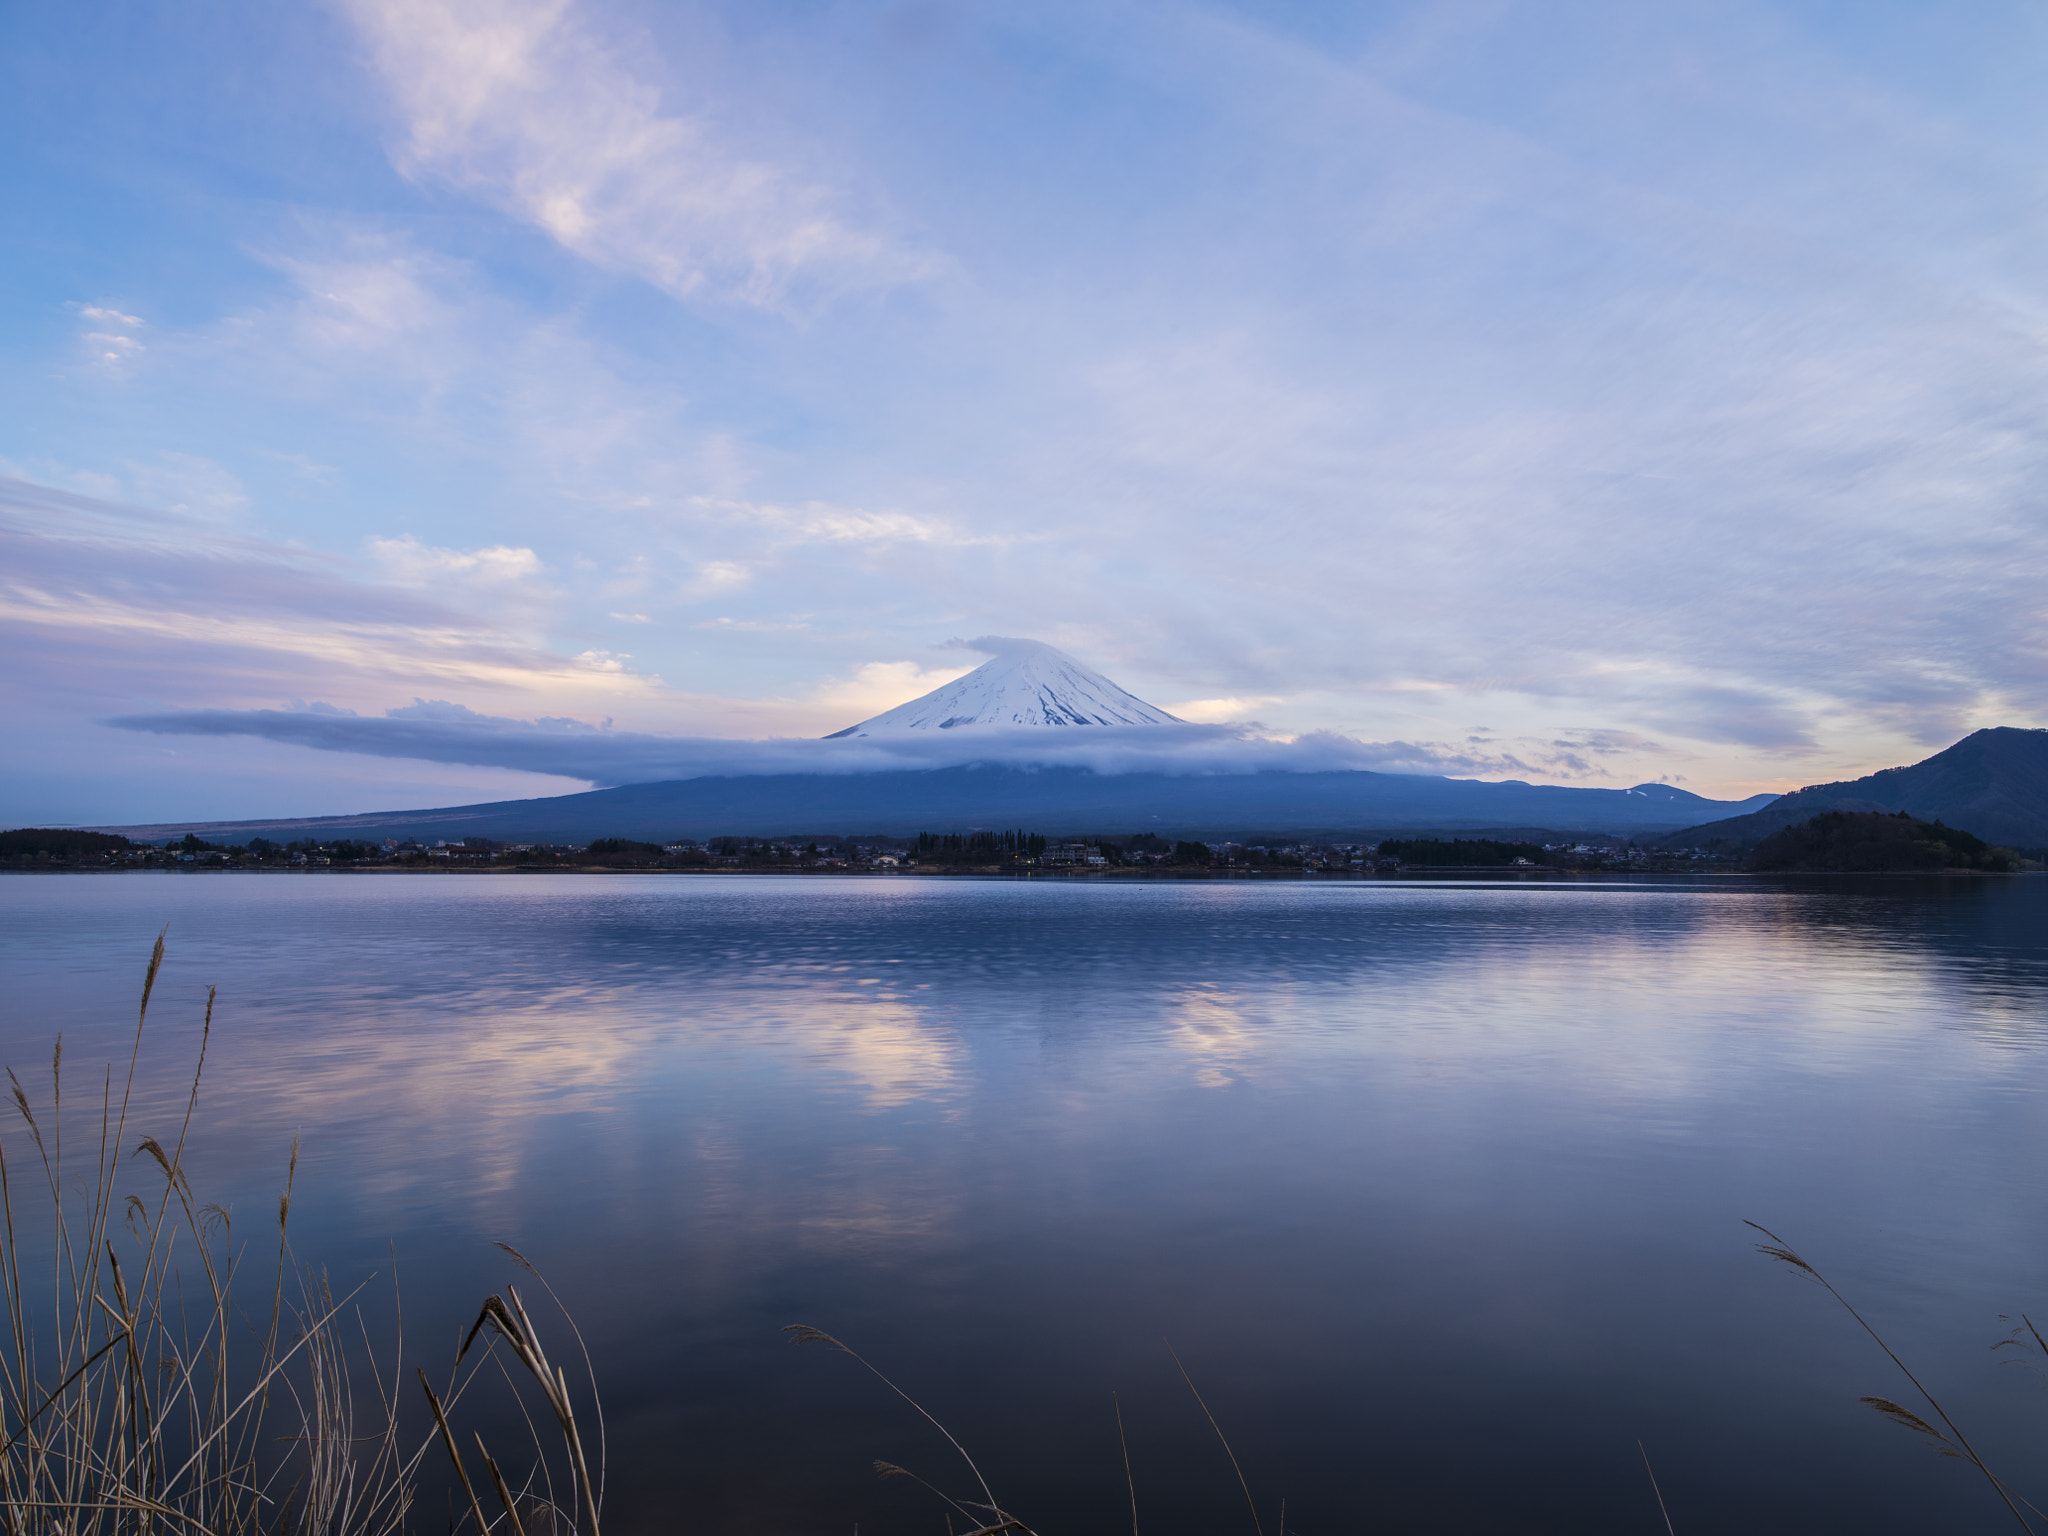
(927,854)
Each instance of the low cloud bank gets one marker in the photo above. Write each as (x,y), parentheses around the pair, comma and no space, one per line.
(436,731)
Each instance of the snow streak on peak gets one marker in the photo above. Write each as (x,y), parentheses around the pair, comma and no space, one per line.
(1027,684)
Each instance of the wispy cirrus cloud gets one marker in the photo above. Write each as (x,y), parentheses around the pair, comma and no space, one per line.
(824,522)
(110,339)
(405,559)
(111,597)
(527,105)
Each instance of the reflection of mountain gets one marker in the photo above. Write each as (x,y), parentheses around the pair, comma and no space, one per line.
(1035,798)
(1993,783)
(1982,938)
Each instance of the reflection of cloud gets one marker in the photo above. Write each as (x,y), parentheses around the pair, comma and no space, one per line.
(477,1074)
(883,1050)
(470,1094)
(1208,1028)
(881,1216)
(730,1098)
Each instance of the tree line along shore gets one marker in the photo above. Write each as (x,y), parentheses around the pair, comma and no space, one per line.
(1841,842)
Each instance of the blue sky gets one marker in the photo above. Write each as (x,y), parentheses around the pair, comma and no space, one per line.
(1587,393)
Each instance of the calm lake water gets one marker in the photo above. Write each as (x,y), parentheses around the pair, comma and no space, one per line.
(1437,1190)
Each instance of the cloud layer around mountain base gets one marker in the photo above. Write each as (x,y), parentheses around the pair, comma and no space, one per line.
(437,731)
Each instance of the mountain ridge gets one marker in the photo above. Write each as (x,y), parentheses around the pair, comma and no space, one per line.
(1993,783)
(1054,800)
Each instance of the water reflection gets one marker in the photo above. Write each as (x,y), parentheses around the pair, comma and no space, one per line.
(885,1053)
(1396,1161)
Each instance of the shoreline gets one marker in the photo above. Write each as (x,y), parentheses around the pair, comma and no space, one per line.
(1162,876)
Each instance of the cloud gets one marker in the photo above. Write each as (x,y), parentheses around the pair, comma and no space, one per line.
(526,105)
(1297,370)
(749,626)
(171,482)
(406,559)
(112,348)
(162,601)
(126,610)
(822,522)
(110,342)
(439,731)
(874,686)
(303,468)
(1581,754)
(1607,743)
(1218,711)
(364,295)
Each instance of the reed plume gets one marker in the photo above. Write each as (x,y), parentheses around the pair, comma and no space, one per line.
(138,1394)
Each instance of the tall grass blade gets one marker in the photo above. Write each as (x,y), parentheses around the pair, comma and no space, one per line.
(1668,1528)
(1777,1249)
(1250,1502)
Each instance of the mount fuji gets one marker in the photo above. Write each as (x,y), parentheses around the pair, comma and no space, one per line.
(1028,683)
(1032,739)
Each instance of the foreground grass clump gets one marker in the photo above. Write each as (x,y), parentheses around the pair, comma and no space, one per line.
(141,1390)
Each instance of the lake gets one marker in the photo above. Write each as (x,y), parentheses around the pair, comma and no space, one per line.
(1436,1189)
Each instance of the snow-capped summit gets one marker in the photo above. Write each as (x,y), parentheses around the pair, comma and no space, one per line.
(1027,683)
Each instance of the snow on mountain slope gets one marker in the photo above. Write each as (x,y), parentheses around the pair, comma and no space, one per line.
(1027,683)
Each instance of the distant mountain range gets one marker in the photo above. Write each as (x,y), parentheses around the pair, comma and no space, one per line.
(1993,783)
(1027,691)
(1052,800)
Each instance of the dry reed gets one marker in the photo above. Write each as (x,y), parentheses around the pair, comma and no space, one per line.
(137,1394)
(1947,1439)
(994,1517)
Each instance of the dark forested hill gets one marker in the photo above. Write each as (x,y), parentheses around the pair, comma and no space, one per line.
(1872,840)
(1995,782)
(57,842)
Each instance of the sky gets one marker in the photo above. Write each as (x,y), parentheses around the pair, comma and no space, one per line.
(1575,392)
